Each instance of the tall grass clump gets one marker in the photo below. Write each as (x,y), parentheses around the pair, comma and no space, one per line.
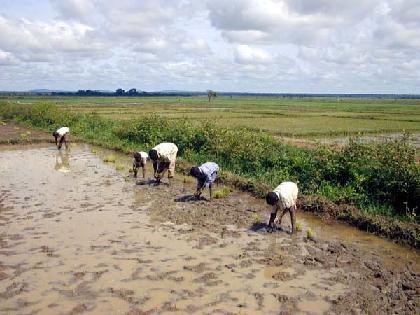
(373,176)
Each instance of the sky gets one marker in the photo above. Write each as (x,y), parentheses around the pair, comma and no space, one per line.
(279,46)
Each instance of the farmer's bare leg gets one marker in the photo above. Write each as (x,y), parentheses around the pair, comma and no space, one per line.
(292,211)
(272,216)
(65,140)
(144,171)
(154,168)
(282,215)
(135,169)
(61,142)
(171,169)
(162,167)
(211,194)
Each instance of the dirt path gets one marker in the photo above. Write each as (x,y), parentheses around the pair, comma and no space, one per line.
(77,236)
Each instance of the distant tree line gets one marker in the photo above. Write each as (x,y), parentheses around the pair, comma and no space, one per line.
(122,92)
(210,94)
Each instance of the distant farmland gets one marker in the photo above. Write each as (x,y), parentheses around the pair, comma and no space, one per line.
(307,118)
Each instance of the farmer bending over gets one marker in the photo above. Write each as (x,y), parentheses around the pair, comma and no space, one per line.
(139,160)
(62,134)
(283,198)
(163,157)
(206,174)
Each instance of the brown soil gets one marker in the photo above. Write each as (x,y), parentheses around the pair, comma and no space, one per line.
(13,133)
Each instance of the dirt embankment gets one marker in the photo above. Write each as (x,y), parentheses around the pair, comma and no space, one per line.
(12,133)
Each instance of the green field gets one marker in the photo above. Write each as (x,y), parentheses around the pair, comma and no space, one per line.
(311,118)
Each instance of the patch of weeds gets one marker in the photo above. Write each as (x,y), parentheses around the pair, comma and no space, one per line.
(109,158)
(298,227)
(222,193)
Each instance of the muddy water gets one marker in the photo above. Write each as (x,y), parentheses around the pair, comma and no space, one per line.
(77,236)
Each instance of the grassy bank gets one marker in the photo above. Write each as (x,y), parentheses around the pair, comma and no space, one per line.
(381,179)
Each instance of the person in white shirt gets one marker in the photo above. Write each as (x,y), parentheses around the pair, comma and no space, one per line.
(139,160)
(163,157)
(283,197)
(61,133)
(206,174)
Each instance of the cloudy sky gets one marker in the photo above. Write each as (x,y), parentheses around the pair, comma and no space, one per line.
(311,46)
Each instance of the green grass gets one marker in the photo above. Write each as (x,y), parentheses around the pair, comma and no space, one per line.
(304,118)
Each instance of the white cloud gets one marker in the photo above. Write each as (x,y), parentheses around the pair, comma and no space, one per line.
(7,58)
(78,10)
(253,45)
(245,54)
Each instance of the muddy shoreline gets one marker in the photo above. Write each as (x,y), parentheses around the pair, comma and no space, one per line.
(107,244)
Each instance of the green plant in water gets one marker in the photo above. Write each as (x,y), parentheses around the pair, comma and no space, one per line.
(109,158)
(222,193)
(298,227)
(310,233)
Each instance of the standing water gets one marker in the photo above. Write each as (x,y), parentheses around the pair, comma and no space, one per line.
(76,236)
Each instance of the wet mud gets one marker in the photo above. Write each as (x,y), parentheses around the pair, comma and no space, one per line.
(78,236)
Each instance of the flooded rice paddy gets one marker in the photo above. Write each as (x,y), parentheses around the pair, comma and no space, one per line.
(77,236)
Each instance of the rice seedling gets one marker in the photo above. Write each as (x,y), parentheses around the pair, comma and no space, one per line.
(310,234)
(222,193)
(109,158)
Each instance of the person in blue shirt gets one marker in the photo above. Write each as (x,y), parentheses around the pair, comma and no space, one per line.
(205,174)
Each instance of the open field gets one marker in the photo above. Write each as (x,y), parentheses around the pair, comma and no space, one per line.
(314,119)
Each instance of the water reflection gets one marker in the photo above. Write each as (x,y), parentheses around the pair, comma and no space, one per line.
(62,161)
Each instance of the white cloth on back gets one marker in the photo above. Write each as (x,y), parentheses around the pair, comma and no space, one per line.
(143,154)
(166,152)
(287,193)
(63,130)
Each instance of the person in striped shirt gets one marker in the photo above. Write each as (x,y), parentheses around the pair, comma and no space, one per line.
(205,174)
